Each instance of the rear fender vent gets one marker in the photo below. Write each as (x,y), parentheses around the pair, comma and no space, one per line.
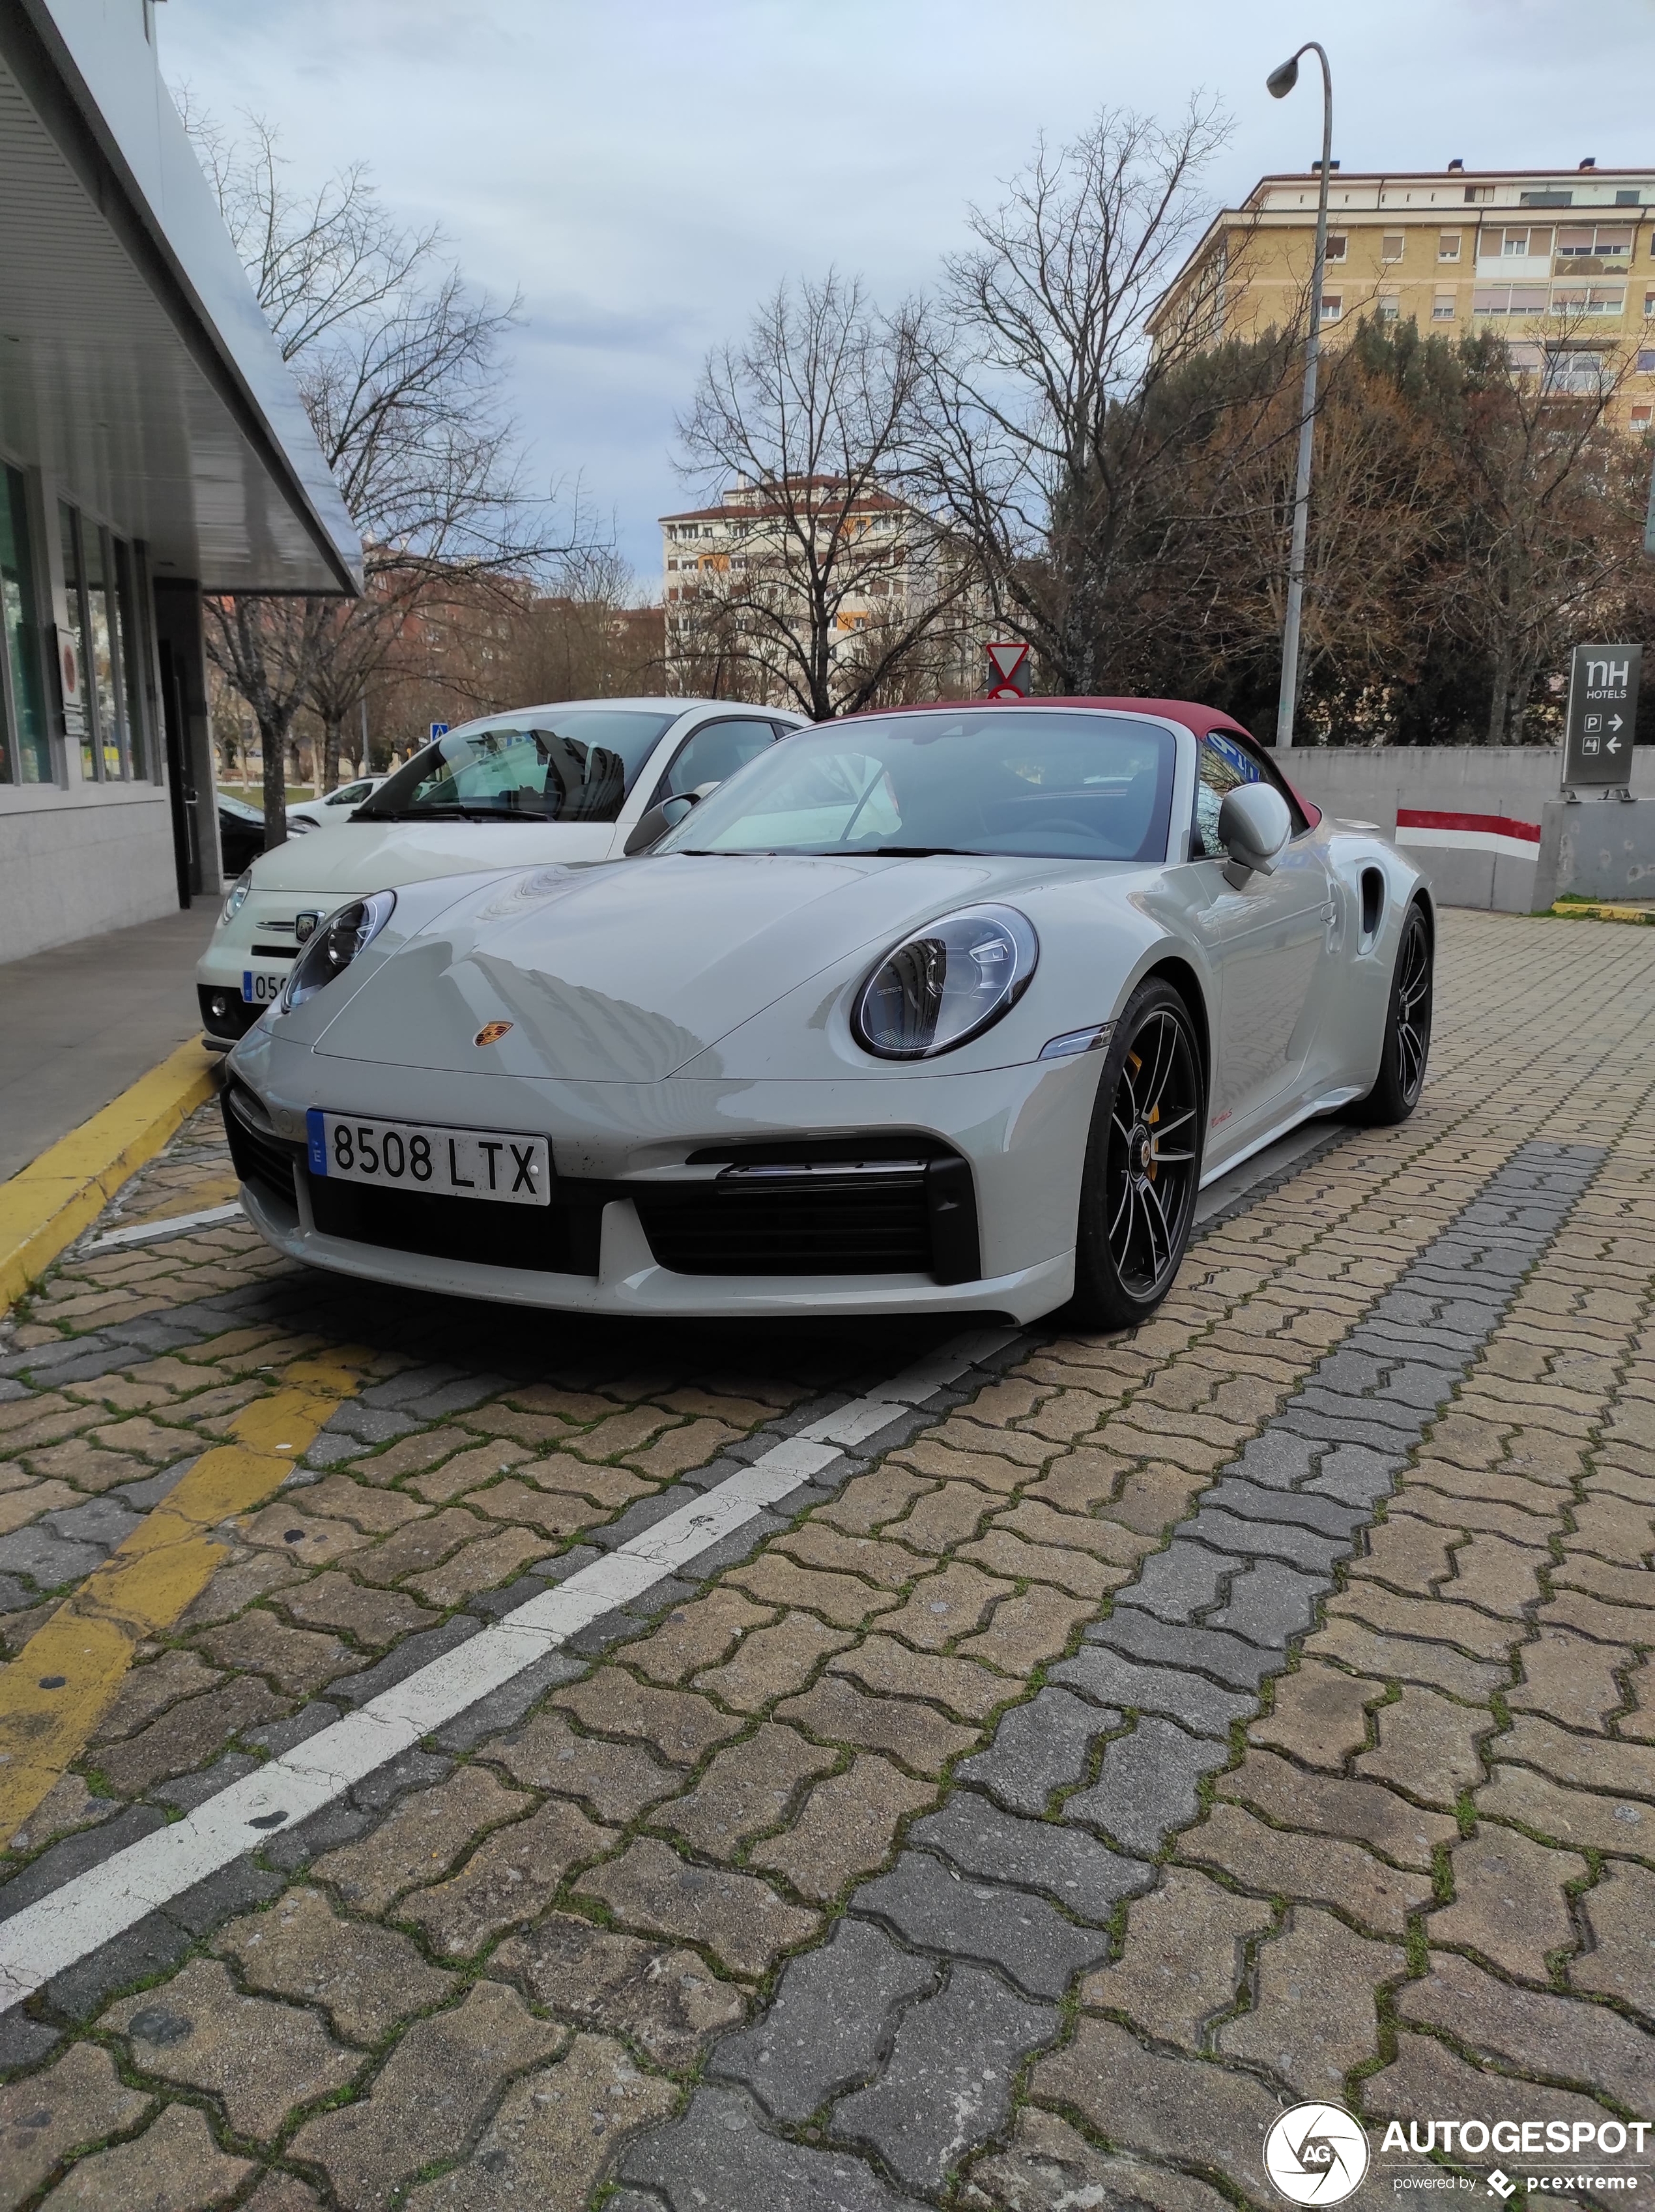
(1372,904)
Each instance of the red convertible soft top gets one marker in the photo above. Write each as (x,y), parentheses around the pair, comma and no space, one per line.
(1189,712)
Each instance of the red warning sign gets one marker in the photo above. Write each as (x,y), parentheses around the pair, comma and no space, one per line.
(1008,672)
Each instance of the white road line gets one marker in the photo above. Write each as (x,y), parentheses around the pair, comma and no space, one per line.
(176,1224)
(51,1935)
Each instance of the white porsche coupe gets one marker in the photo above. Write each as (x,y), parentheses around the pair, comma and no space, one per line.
(946,1008)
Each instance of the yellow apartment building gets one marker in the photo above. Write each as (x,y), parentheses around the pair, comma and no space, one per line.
(1561,261)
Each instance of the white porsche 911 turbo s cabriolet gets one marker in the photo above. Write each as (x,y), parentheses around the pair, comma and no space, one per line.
(939,1009)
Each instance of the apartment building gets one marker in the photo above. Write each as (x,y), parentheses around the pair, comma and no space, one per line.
(1561,261)
(752,534)
(751,544)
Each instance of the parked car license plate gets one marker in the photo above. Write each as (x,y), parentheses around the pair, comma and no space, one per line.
(262,987)
(502,1165)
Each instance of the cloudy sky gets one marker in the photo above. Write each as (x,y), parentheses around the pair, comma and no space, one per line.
(643,171)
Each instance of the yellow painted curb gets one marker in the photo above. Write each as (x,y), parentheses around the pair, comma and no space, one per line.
(1601,911)
(62,1682)
(46,1205)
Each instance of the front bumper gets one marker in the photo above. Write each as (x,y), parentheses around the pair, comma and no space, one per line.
(262,939)
(225,1017)
(630,1280)
(644,1171)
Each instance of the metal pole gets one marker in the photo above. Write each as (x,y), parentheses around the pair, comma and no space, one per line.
(1288,700)
(365,770)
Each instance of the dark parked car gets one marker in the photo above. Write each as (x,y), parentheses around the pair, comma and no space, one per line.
(240,834)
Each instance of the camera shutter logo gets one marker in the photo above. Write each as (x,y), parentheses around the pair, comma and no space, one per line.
(1316,2153)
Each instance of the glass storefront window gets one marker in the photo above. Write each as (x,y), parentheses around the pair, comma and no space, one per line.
(25,740)
(69,524)
(128,637)
(99,676)
(100,587)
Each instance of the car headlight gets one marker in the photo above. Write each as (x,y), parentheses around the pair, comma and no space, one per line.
(334,943)
(946,983)
(238,897)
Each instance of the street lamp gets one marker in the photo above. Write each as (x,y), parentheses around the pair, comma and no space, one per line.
(1279,83)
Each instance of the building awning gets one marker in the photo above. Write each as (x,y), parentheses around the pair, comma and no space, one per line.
(134,363)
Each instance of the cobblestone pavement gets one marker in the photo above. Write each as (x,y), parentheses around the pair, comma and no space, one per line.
(1137,1737)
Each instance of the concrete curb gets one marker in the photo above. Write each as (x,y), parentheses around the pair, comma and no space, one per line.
(46,1205)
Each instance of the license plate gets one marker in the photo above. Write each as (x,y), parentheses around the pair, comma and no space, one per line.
(498,1164)
(260,987)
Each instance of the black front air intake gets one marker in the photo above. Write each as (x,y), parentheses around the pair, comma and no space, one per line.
(260,1156)
(844,1211)
(556,1239)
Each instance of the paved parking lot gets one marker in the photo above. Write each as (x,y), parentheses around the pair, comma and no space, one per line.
(1000,1770)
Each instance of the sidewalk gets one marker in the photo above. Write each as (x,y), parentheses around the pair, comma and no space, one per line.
(81,1023)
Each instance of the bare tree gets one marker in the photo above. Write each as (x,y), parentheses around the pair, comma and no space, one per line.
(587,636)
(1036,437)
(826,585)
(398,366)
(1546,509)
(1204,560)
(505,642)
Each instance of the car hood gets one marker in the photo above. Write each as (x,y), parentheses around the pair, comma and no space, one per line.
(347,857)
(626,972)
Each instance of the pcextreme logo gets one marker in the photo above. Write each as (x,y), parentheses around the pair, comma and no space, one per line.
(1316,2153)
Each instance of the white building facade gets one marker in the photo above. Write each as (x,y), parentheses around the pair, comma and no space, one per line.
(153,446)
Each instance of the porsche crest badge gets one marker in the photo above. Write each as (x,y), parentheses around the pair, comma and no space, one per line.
(491,1033)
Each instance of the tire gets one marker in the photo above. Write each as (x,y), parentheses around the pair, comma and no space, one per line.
(1137,1200)
(1407,1045)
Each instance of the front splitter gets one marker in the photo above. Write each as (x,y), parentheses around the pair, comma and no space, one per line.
(630,1281)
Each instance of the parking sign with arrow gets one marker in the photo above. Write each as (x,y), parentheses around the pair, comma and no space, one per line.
(1602,715)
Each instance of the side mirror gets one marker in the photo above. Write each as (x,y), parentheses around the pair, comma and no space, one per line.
(653,825)
(1253,826)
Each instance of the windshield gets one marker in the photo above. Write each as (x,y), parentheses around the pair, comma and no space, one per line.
(1080,785)
(577,766)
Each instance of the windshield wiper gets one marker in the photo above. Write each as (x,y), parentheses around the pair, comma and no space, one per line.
(839,852)
(444,814)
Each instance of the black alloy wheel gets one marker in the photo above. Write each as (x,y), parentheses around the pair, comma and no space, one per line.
(1143,1163)
(1407,1045)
